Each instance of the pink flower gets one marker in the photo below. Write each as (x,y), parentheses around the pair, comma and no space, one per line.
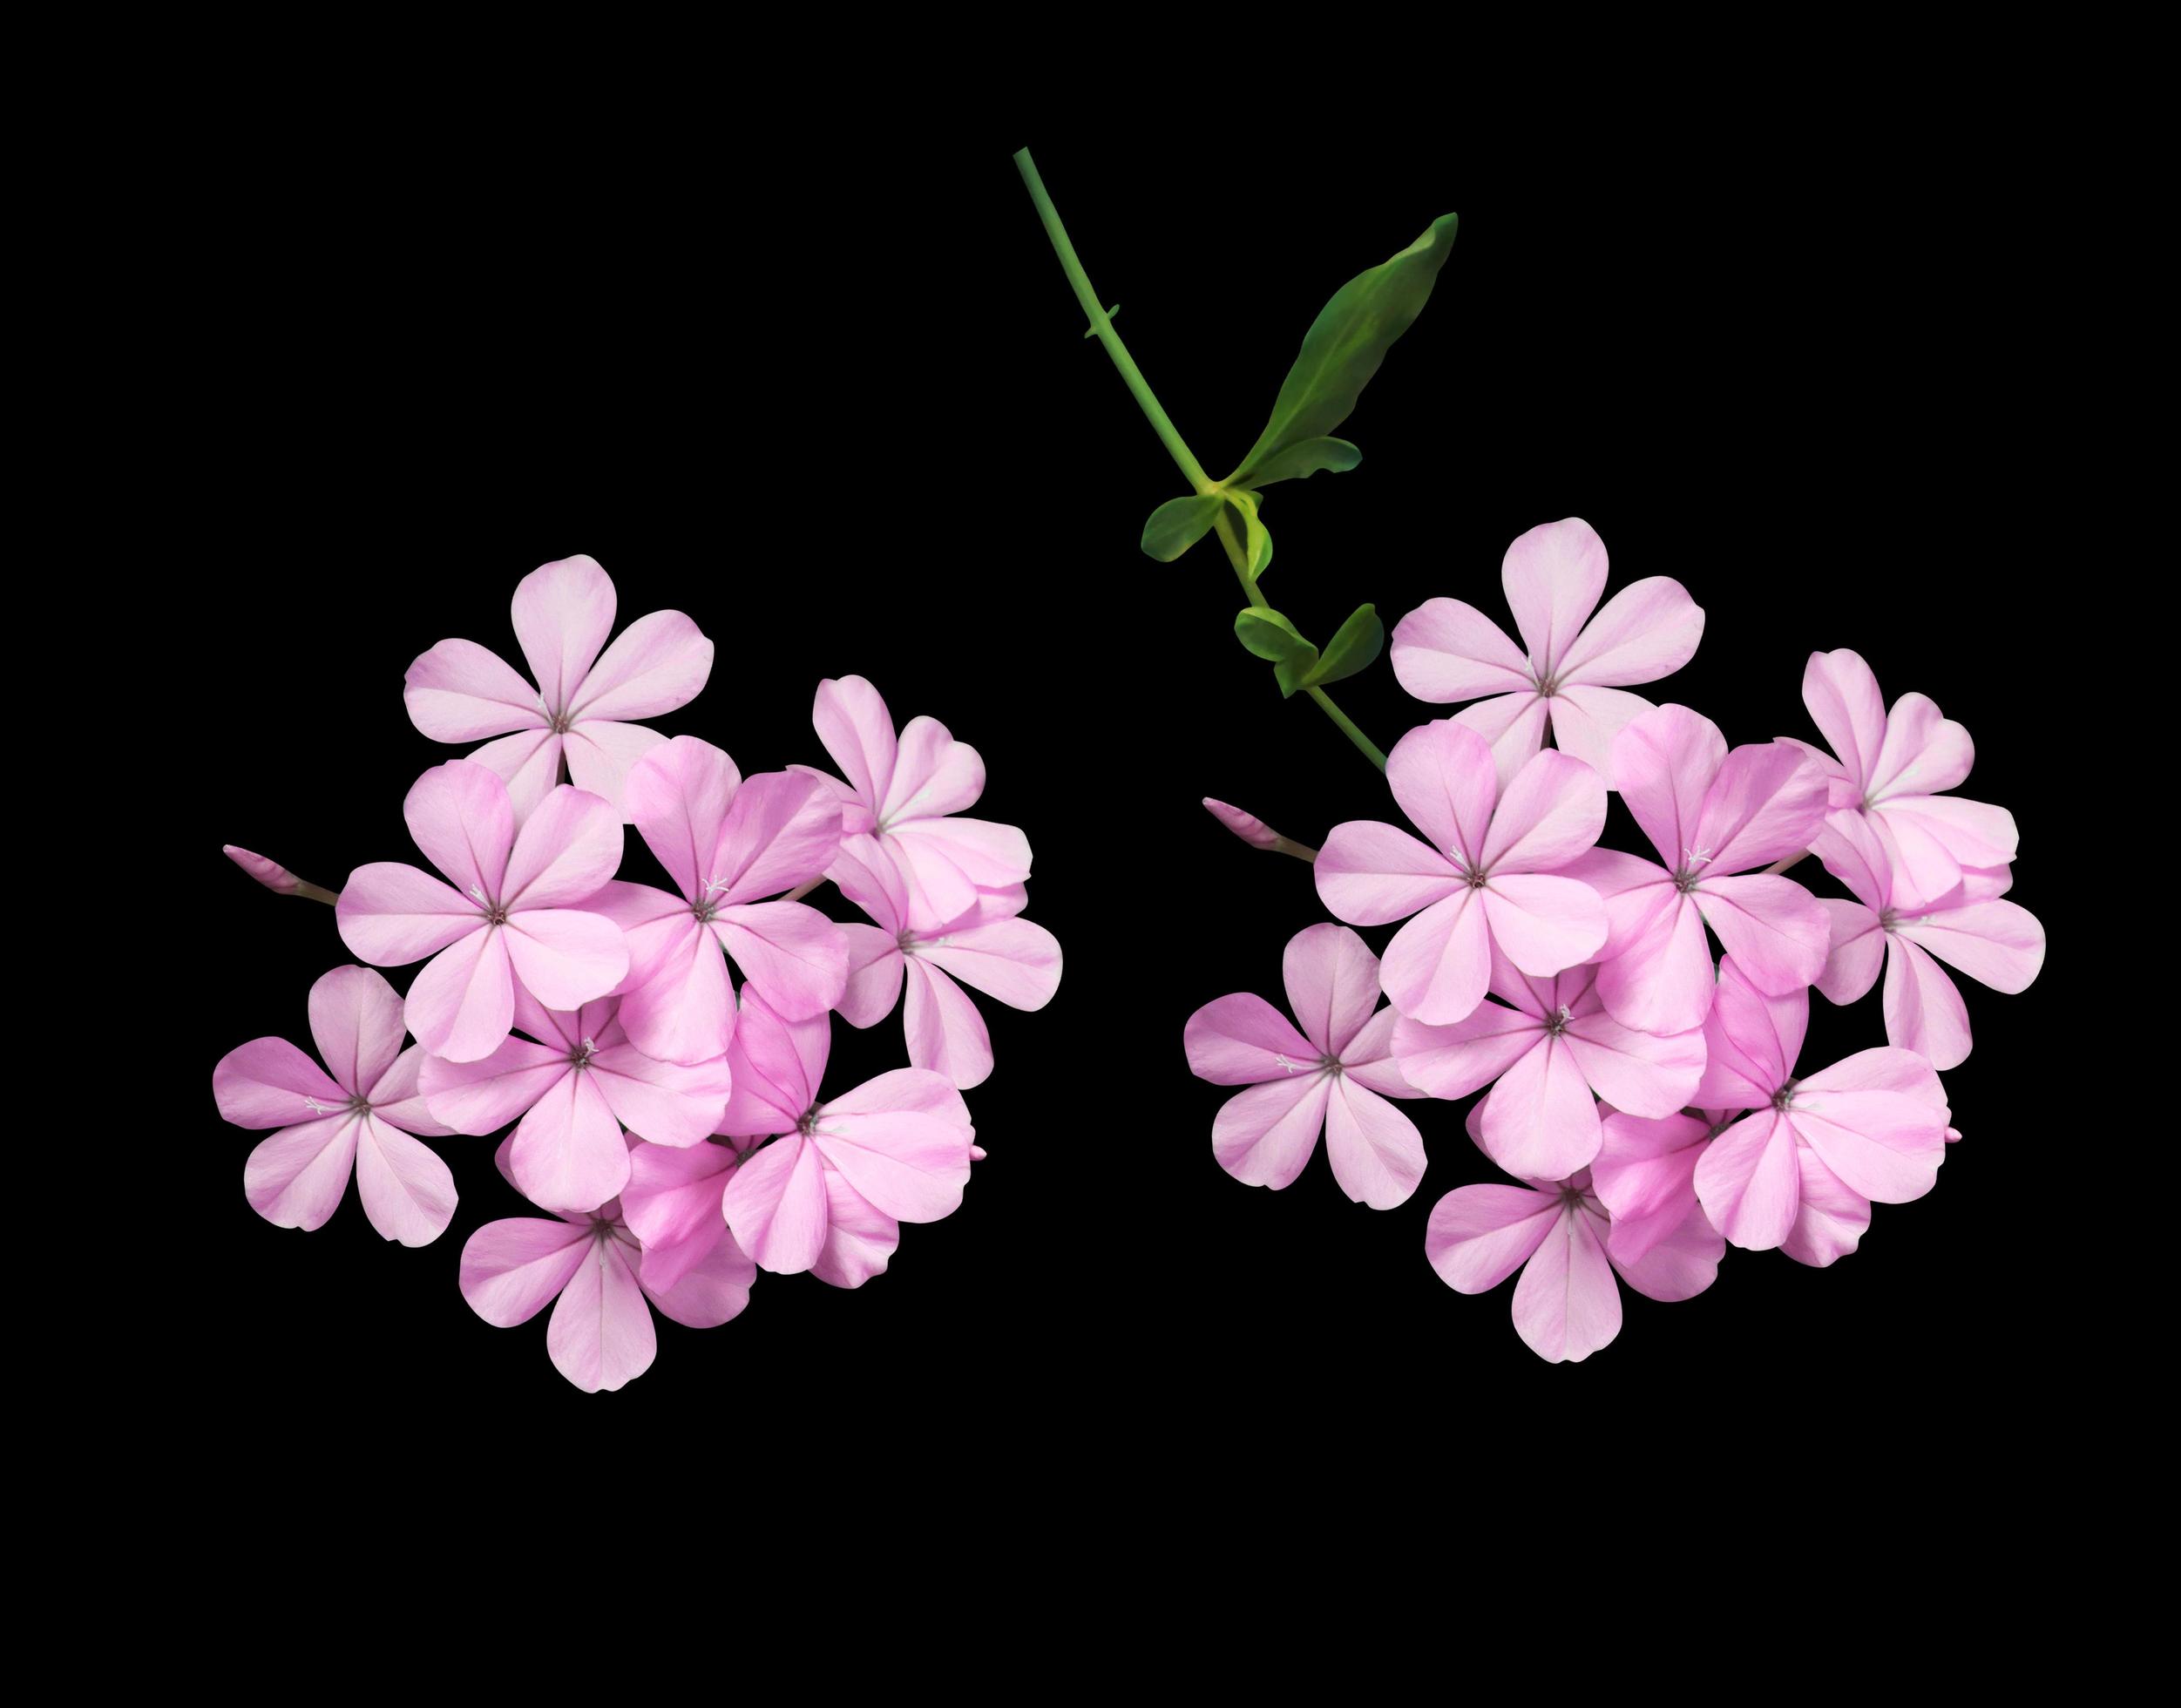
(459,692)
(1483,881)
(1334,1075)
(515,912)
(1709,814)
(1543,1056)
(575,1080)
(595,1265)
(1577,663)
(273,875)
(1559,1236)
(988,948)
(1996,943)
(1251,828)
(1893,768)
(362,1116)
(726,843)
(830,1190)
(1872,1127)
(907,794)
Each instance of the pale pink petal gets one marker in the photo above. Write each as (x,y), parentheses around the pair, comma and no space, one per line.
(563,612)
(1842,793)
(1478,1236)
(1749,1181)
(1512,725)
(1833,1218)
(860,1236)
(408,1192)
(1975,833)
(945,1032)
(945,862)
(1850,847)
(1585,720)
(677,795)
(1663,764)
(775,1206)
(711,1291)
(1648,629)
(654,927)
(1553,576)
(1552,811)
(296,1178)
(1645,1175)
(1243,1040)
(874,975)
(1661,980)
(565,957)
(565,854)
(1541,1122)
(1844,703)
(1450,1061)
(853,724)
(934,775)
(513,1270)
(1376,1152)
(669,1104)
(781,831)
(659,663)
(777,1065)
(911,1090)
(459,692)
(862,871)
(1369,1058)
(1332,986)
(685,1010)
(1372,874)
(1679,1266)
(459,815)
(463,1002)
(1542,923)
(600,1335)
(1924,752)
(1924,1011)
(481,1096)
(1766,803)
(1444,651)
(1857,949)
(1902,1071)
(1996,943)
(569,1154)
(391,914)
(1264,1136)
(794,955)
(268,1082)
(1751,1042)
(1566,1304)
(1637,894)
(1645,1074)
(1443,776)
(672,1203)
(1883,1145)
(398,1099)
(1438,965)
(1011,960)
(912,1166)
(602,753)
(529,763)
(1771,925)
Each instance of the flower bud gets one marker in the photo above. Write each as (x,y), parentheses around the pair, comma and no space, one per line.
(1255,831)
(273,877)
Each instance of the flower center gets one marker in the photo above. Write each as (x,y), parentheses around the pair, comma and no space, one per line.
(809,1123)
(1785,1097)
(495,912)
(1476,879)
(1558,1023)
(580,1056)
(1887,920)
(356,1104)
(906,942)
(1548,686)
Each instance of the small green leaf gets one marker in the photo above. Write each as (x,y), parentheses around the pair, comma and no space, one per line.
(1272,637)
(1352,650)
(1179,524)
(1258,541)
(1300,461)
(1344,346)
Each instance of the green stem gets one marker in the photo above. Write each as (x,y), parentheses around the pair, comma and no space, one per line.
(1139,389)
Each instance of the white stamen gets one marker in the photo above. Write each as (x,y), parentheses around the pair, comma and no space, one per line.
(1696,857)
(1284,1062)
(317,1108)
(1564,1015)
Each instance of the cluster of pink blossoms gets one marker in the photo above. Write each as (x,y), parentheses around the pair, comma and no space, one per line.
(674,1128)
(1648,1099)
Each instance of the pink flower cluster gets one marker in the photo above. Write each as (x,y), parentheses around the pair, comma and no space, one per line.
(1648,1099)
(672,1126)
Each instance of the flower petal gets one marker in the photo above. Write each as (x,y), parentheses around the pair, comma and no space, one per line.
(565,958)
(658,664)
(794,955)
(1541,1122)
(563,612)
(860,1236)
(684,1011)
(1587,719)
(601,1336)
(1924,753)
(1856,949)
(1514,725)
(268,1082)
(1542,923)
(1262,1137)
(777,1065)
(1680,1265)
(677,795)
(1648,1075)
(1843,700)
(1551,812)
(408,1192)
(1376,1152)
(1437,965)
(781,830)
(462,1003)
(711,1291)
(1332,985)
(1445,650)
(775,1206)
(1443,777)
(1996,943)
(1833,1218)
(669,1104)
(602,753)
(1645,1175)
(1243,1040)
(1372,874)
(1771,925)
(909,1165)
(569,1154)
(459,815)
(1751,1042)
(296,1178)
(875,967)
(511,1270)
(1566,1304)
(1663,764)
(1765,801)
(1647,630)
(1661,980)
(1450,1061)
(1478,1236)
(460,692)
(1013,960)
(390,914)
(856,728)
(528,762)
(1884,1145)
(934,775)
(564,853)
(1553,576)
(672,1203)
(1749,1181)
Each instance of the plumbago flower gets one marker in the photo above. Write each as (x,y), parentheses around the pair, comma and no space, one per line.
(1484,880)
(838,1177)
(905,795)
(592,1268)
(514,912)
(988,948)
(1710,813)
(727,844)
(1577,663)
(1560,1234)
(1997,943)
(575,1080)
(1334,1075)
(1544,1049)
(1893,769)
(1872,1126)
(362,1116)
(575,711)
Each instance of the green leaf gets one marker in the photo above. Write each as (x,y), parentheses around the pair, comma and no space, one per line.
(1258,541)
(1350,651)
(1272,637)
(1300,461)
(1179,524)
(1344,346)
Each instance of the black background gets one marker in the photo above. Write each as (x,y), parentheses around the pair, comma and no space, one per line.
(866,435)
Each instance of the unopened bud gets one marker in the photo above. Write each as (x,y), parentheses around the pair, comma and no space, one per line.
(275,877)
(1256,831)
